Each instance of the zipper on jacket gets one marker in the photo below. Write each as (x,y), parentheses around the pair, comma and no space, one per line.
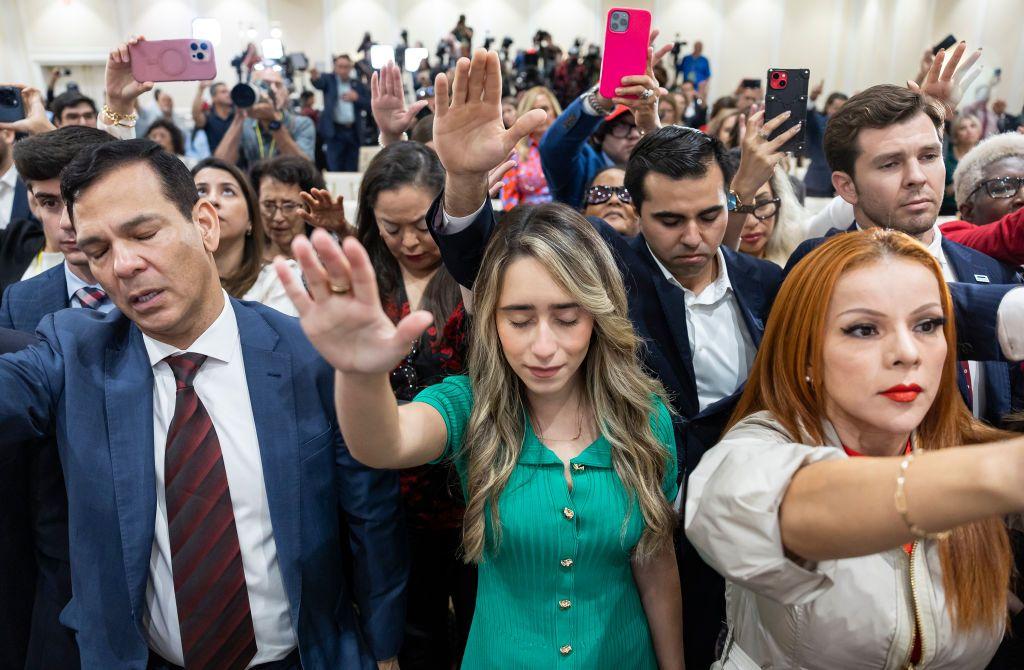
(918,627)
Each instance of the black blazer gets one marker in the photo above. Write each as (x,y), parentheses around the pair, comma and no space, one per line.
(25,303)
(20,241)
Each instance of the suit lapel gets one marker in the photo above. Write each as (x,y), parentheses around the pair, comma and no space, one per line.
(128,390)
(268,374)
(748,296)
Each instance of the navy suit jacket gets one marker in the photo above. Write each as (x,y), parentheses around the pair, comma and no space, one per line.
(90,383)
(25,303)
(981,280)
(568,159)
(328,83)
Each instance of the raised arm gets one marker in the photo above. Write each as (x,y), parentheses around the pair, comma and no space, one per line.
(387,102)
(198,115)
(343,318)
(230,144)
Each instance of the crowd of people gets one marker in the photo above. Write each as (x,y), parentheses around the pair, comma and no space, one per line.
(240,430)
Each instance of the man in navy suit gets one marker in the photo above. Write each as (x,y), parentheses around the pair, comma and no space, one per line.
(885,151)
(207,480)
(341,122)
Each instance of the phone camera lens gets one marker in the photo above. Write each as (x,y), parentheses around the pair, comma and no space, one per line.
(194,46)
(200,56)
(202,45)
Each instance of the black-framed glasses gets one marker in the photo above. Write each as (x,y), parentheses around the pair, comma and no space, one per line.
(766,209)
(597,195)
(623,130)
(404,379)
(1000,187)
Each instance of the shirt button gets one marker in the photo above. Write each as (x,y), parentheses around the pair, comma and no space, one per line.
(565,649)
(578,467)
(565,604)
(569,514)
(567,562)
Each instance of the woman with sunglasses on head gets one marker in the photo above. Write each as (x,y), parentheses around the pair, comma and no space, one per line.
(854,506)
(606,198)
(244,273)
(394,196)
(563,446)
(776,226)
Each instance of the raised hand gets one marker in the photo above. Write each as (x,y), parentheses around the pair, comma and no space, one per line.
(946,81)
(341,314)
(120,86)
(817,90)
(759,155)
(644,109)
(35,121)
(324,212)
(387,102)
(468,134)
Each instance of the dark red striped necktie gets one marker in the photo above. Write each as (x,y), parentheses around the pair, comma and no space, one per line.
(209,581)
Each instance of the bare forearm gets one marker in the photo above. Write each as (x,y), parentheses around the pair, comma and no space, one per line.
(845,508)
(463,195)
(368,418)
(657,580)
(227,150)
(198,116)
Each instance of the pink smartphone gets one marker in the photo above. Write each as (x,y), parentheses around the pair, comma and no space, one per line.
(626,38)
(173,60)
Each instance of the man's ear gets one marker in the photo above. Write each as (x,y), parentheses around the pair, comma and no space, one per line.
(844,186)
(204,216)
(967,211)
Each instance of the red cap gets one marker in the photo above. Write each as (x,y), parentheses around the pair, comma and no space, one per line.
(616,113)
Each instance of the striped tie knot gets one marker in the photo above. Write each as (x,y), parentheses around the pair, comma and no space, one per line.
(185,367)
(90,297)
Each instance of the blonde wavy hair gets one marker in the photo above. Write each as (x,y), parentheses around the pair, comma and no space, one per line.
(615,388)
(526,102)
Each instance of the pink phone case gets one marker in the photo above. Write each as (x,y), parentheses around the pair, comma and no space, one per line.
(625,51)
(173,60)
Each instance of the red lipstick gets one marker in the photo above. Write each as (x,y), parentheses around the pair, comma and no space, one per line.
(902,393)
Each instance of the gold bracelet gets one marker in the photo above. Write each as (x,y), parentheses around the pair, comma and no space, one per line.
(116,118)
(900,498)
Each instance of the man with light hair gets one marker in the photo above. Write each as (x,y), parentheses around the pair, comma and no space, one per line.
(989,181)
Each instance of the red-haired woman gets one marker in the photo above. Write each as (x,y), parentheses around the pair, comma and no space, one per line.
(853,528)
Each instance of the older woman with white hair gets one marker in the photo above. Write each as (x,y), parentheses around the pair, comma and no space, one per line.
(989,180)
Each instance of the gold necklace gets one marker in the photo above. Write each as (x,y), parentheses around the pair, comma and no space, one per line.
(579,431)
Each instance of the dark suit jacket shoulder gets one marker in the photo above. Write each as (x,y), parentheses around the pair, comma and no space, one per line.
(25,303)
(20,241)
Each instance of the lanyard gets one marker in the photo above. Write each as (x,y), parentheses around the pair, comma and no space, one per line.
(259,142)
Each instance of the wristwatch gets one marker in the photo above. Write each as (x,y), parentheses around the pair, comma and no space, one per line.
(591,96)
(736,205)
(274,125)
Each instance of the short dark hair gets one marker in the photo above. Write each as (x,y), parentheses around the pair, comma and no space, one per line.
(177,137)
(42,157)
(69,99)
(423,130)
(876,107)
(214,85)
(95,163)
(287,170)
(836,95)
(339,56)
(676,152)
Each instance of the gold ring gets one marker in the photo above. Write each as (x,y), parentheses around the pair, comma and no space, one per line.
(339,290)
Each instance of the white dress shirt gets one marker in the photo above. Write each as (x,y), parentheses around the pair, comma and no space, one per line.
(720,345)
(221,386)
(75,283)
(8,182)
(42,262)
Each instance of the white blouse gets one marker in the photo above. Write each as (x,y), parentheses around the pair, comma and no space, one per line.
(269,290)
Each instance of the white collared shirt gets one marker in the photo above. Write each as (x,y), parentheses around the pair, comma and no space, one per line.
(221,386)
(8,183)
(720,344)
(75,283)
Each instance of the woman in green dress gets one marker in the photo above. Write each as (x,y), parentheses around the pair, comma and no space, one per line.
(564,447)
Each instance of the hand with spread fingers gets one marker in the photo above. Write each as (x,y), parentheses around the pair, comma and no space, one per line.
(324,212)
(759,155)
(35,121)
(120,86)
(341,313)
(947,80)
(387,102)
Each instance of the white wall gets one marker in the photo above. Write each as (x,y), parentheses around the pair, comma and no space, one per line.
(850,43)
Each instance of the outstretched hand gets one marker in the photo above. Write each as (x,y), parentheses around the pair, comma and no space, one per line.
(341,313)
(120,86)
(759,155)
(948,80)
(323,211)
(387,102)
(35,121)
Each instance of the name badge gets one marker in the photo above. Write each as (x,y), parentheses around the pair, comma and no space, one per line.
(982,279)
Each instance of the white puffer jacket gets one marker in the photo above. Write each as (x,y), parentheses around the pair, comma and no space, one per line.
(849,613)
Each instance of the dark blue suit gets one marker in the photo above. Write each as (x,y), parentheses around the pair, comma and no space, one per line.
(90,384)
(972,268)
(25,303)
(568,159)
(342,142)
(657,309)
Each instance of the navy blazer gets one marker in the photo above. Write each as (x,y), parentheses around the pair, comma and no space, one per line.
(975,315)
(328,83)
(568,159)
(90,383)
(25,303)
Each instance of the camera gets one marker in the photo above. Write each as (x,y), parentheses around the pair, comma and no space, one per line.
(246,95)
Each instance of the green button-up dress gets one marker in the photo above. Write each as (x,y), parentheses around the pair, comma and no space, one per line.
(559,591)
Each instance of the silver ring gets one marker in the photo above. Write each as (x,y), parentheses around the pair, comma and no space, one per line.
(646,95)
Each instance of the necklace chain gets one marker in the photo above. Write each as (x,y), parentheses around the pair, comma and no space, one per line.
(579,431)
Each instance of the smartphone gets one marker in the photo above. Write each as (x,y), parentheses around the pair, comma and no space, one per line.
(11,106)
(626,38)
(173,60)
(787,91)
(944,44)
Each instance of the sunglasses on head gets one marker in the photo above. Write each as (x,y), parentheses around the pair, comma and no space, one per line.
(597,195)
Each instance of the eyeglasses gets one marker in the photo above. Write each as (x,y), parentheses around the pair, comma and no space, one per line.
(288,208)
(624,130)
(1000,187)
(766,209)
(597,195)
(404,380)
